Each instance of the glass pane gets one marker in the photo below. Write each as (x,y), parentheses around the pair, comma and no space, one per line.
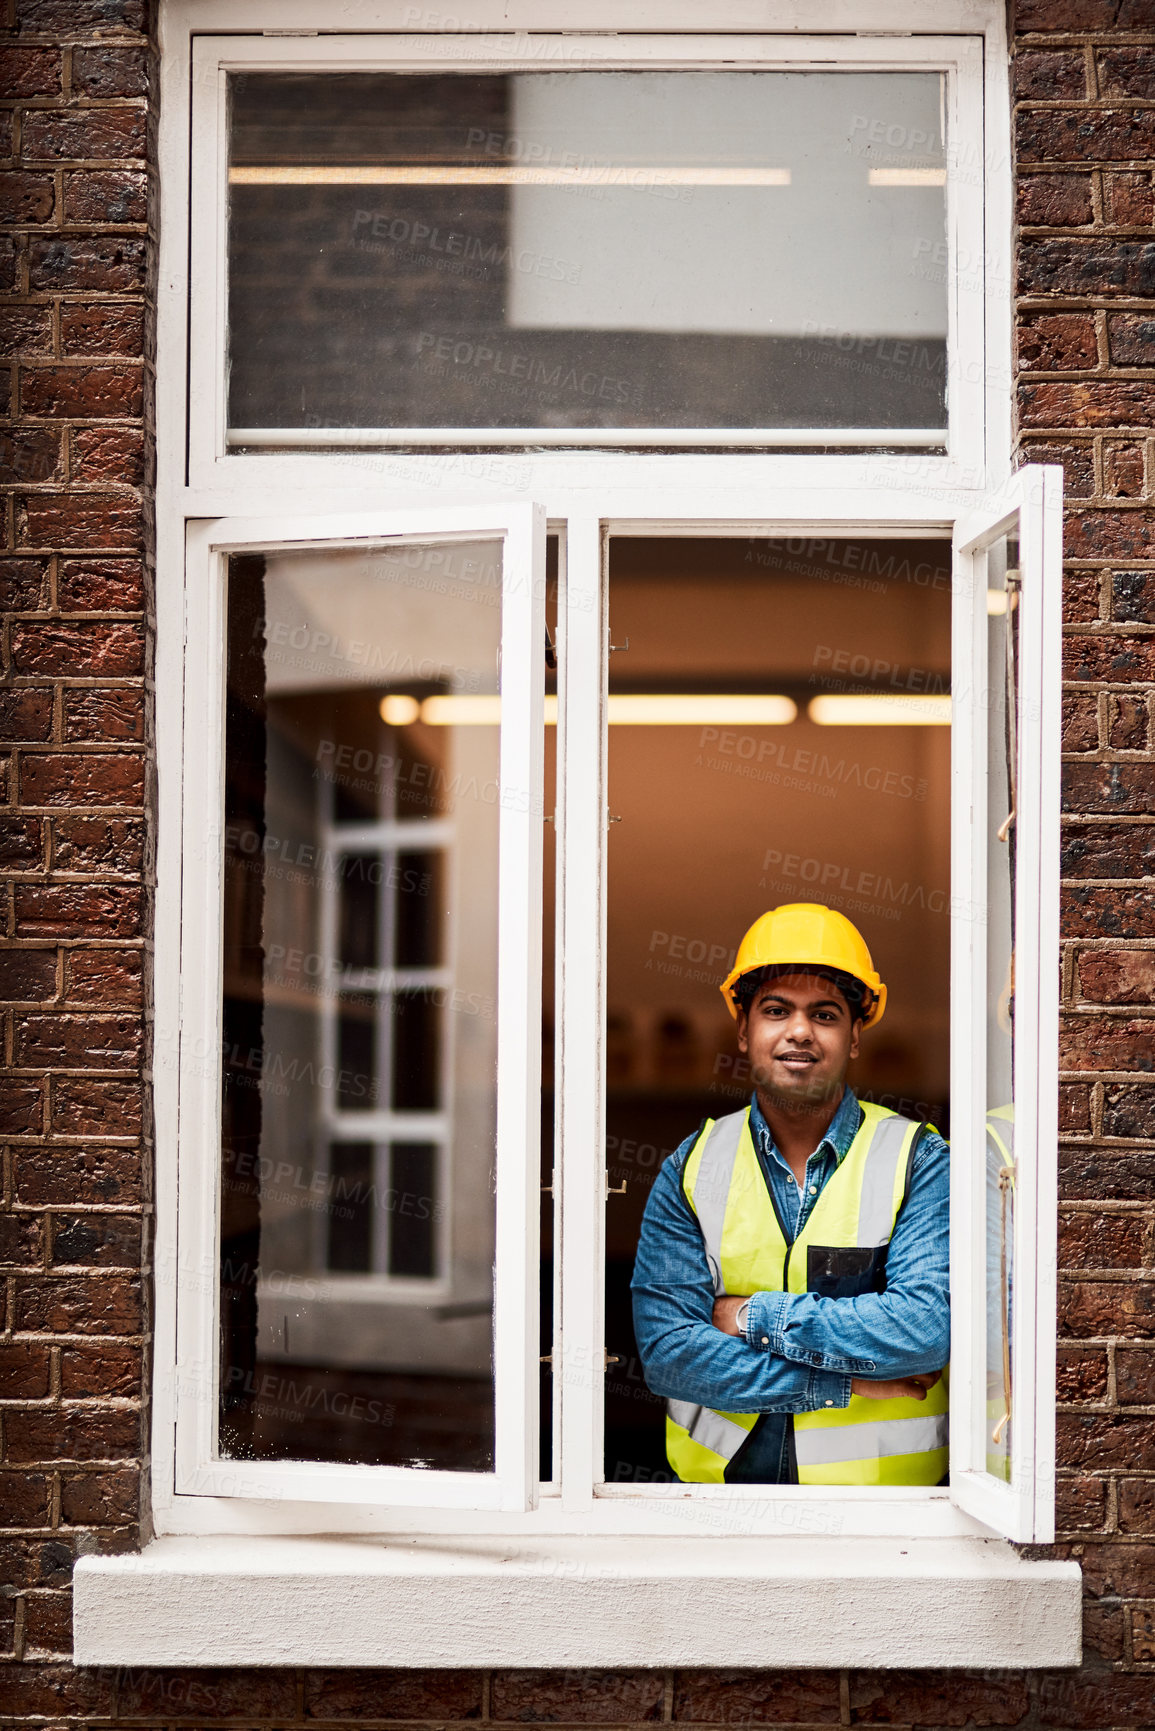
(1002,755)
(361,872)
(804,685)
(587,249)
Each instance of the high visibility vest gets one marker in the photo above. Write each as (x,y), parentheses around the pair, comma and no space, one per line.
(840,1252)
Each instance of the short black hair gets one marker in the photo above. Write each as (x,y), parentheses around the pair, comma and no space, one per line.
(854,991)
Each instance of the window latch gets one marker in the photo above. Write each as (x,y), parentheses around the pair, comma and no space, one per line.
(616,1189)
(619,648)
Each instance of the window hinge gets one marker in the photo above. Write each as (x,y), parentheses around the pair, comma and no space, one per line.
(610,818)
(546,1358)
(612,1358)
(547,1189)
(619,648)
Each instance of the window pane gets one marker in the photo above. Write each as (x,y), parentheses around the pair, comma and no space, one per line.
(587,249)
(360,856)
(1002,752)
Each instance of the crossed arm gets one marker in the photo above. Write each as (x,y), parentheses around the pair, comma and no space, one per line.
(807,1351)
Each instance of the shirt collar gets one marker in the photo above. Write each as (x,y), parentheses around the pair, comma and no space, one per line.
(840,1132)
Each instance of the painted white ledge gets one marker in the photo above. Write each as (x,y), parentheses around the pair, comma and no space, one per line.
(577,1602)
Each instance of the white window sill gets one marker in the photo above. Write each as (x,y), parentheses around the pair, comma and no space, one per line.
(576,1602)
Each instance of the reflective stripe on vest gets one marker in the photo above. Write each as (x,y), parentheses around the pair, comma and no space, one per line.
(867,1442)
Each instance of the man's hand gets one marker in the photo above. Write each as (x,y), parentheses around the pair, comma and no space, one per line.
(726,1312)
(901,1388)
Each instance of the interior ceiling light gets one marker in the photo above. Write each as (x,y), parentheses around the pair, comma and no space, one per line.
(906,177)
(626,709)
(500,174)
(866,709)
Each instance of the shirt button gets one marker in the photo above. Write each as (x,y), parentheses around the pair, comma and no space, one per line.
(830,1403)
(814,1190)
(765,1340)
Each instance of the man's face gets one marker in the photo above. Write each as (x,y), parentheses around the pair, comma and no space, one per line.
(799,1036)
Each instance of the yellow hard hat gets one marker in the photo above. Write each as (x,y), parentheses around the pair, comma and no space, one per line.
(812,936)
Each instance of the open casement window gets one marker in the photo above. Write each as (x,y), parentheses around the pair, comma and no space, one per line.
(358,1071)
(1004,1141)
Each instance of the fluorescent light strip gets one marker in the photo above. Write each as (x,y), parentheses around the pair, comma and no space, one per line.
(502,174)
(868,710)
(907,177)
(626,709)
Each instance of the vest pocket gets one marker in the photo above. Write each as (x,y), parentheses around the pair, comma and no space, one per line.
(845,1270)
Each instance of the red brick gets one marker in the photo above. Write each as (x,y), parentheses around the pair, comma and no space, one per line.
(108,328)
(36,1563)
(75,1175)
(1126,72)
(1047,75)
(1106,1174)
(7,257)
(27,976)
(1118,659)
(84,1107)
(208,1693)
(1089,135)
(1137,1506)
(78,1304)
(1089,1042)
(1081,1374)
(21,844)
(106,263)
(23,1499)
(86,520)
(1098,403)
(26,197)
(1109,789)
(21,1240)
(1129,1109)
(84,389)
(99,1368)
(25,330)
(21,1108)
(24,1370)
(1080,723)
(1081,592)
(1131,339)
(1126,1571)
(47,1623)
(1117,850)
(23,585)
(92,714)
(1077,460)
(55,1692)
(99,1499)
(1074,1108)
(1102,1440)
(64,648)
(1142,1633)
(110,71)
(1117,976)
(937,1698)
(29,71)
(102,976)
(31,454)
(1135,1376)
(578,1697)
(1094,1699)
(89,778)
(104,453)
(1131,199)
(106,195)
(1080,1504)
(392,1694)
(1123,471)
(1128,723)
(56,135)
(1102,1632)
(26,714)
(80,1433)
(1057,342)
(77,911)
(1054,201)
(70,17)
(96,844)
(756,1697)
(1133,597)
(1092,1309)
(1102,1240)
(69,1042)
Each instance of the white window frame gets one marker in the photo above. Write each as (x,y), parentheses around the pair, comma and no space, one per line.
(498,1586)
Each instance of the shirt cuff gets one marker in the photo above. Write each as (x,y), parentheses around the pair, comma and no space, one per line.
(827,1388)
(764,1322)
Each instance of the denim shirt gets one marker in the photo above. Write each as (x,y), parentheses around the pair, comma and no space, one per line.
(800,1350)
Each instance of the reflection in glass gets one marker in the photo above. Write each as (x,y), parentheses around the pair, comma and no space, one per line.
(587,249)
(360,960)
(1002,759)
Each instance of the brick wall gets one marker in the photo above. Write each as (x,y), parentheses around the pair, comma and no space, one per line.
(74,318)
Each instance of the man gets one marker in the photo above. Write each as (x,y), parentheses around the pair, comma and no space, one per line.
(791,1288)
